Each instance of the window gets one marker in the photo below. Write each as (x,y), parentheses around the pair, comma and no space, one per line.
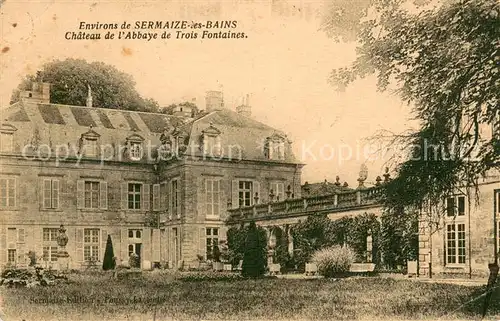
(91,244)
(134,196)
(7,192)
(90,147)
(50,244)
(245,193)
(6,142)
(135,150)
(11,256)
(212,241)
(455,243)
(134,234)
(11,245)
(275,147)
(278,189)
(50,193)
(92,194)
(213,197)
(211,141)
(175,198)
(455,206)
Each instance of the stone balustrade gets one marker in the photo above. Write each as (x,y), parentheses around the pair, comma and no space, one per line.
(291,206)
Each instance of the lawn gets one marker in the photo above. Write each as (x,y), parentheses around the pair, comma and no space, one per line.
(169,296)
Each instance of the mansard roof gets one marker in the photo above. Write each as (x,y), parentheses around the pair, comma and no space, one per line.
(55,124)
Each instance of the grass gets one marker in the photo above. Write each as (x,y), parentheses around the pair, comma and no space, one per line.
(171,296)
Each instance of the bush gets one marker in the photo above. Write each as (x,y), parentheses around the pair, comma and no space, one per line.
(109,262)
(133,261)
(334,261)
(254,258)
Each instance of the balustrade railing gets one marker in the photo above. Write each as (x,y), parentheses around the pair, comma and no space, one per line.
(339,200)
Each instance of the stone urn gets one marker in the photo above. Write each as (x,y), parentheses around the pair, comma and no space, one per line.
(62,254)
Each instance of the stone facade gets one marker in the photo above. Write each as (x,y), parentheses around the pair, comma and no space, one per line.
(462,243)
(160,185)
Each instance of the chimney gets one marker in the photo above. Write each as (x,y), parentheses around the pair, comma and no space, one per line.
(214,100)
(39,93)
(244,109)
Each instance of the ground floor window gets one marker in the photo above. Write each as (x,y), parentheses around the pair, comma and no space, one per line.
(11,255)
(455,243)
(91,244)
(212,235)
(50,244)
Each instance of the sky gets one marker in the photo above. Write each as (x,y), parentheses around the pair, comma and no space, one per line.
(283,64)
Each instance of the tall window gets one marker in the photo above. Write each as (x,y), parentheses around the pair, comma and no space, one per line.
(212,241)
(175,198)
(50,193)
(455,243)
(134,196)
(213,197)
(91,244)
(7,192)
(50,244)
(90,147)
(278,191)
(6,142)
(245,193)
(91,194)
(455,206)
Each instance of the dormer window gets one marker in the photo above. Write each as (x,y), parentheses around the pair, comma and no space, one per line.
(90,149)
(211,141)
(90,142)
(7,138)
(135,150)
(275,147)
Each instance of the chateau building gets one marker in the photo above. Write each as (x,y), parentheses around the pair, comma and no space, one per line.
(159,184)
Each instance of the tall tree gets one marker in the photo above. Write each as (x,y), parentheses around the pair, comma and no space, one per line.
(70,79)
(443,60)
(254,257)
(109,256)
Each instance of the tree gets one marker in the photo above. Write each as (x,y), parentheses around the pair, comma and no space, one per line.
(70,79)
(311,235)
(254,258)
(109,262)
(443,60)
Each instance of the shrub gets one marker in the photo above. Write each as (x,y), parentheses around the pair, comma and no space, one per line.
(334,261)
(254,258)
(109,262)
(133,261)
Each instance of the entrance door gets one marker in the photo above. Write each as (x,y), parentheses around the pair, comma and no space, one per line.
(138,248)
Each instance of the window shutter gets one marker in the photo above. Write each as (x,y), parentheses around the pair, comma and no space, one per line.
(46,191)
(156,197)
(124,244)
(80,194)
(124,193)
(146,194)
(3,244)
(79,244)
(202,243)
(146,245)
(15,182)
(202,198)
(55,193)
(235,198)
(156,245)
(103,197)
(21,245)
(104,240)
(169,188)
(223,233)
(38,241)
(256,189)
(178,197)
